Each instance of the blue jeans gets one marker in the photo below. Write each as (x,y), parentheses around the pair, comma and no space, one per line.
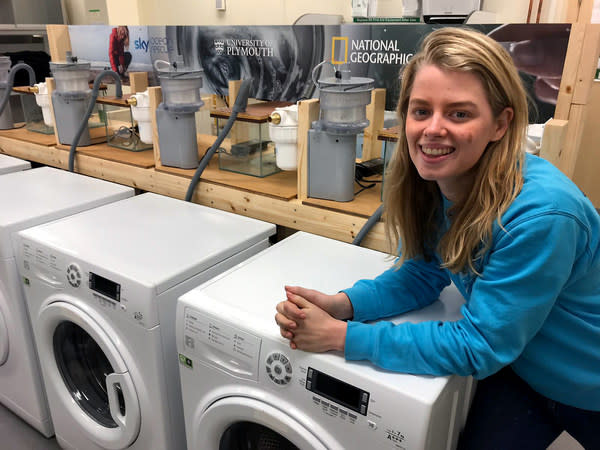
(507,414)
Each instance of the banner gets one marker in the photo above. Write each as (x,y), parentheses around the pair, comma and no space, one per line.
(281,59)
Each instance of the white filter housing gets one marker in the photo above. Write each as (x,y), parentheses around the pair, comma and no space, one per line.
(450,7)
(141,113)
(285,135)
(43,101)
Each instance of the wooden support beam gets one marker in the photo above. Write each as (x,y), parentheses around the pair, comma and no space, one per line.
(569,76)
(308,112)
(155,97)
(59,41)
(138,81)
(375,113)
(555,133)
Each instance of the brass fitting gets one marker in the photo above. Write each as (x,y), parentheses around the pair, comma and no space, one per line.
(275,118)
(33,89)
(132,101)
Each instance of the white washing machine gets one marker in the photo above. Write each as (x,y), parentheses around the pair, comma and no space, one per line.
(101,289)
(9,164)
(243,387)
(29,198)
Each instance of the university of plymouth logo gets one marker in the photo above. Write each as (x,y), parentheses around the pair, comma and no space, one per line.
(219,47)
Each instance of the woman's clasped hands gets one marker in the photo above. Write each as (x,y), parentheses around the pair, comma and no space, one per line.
(313,321)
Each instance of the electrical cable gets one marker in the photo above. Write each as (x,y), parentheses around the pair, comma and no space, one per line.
(88,113)
(240,104)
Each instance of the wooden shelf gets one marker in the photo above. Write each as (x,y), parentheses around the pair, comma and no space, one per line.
(143,159)
(114,101)
(97,136)
(364,204)
(281,185)
(389,134)
(24,134)
(255,113)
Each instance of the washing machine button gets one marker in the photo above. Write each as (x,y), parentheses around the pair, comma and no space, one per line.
(74,275)
(278,368)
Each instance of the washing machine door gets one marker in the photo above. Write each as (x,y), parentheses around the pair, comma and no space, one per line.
(89,375)
(3,332)
(235,423)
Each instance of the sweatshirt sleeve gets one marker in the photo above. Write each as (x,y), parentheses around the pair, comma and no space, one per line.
(522,277)
(414,285)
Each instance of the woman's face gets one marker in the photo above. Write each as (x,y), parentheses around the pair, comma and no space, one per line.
(449,124)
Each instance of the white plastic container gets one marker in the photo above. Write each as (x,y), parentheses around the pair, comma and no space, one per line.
(43,101)
(285,136)
(141,113)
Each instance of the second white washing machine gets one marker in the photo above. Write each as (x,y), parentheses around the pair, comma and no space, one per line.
(101,289)
(243,387)
(10,164)
(28,198)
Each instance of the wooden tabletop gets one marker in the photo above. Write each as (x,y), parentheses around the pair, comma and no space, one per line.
(255,113)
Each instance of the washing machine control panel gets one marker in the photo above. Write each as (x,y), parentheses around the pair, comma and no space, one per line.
(339,391)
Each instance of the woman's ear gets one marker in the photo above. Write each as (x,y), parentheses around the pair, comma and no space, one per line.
(502,122)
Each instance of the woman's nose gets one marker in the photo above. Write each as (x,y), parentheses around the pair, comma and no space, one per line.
(435,125)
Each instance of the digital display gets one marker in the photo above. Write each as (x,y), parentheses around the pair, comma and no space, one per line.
(105,287)
(339,391)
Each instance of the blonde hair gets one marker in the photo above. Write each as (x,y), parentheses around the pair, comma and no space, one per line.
(414,205)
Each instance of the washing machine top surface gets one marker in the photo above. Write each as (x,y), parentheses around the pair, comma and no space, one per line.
(36,196)
(9,164)
(250,291)
(244,298)
(153,240)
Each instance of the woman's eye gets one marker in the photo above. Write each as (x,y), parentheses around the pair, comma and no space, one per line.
(419,112)
(460,114)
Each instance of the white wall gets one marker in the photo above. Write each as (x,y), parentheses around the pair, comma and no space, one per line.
(204,12)
(285,12)
(78,12)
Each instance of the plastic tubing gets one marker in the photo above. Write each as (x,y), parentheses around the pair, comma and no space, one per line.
(368,225)
(88,113)
(240,104)
(11,82)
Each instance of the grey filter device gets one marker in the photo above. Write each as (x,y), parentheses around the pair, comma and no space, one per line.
(332,139)
(70,99)
(175,116)
(7,79)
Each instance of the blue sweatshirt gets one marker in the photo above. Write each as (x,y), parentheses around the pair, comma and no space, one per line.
(536,304)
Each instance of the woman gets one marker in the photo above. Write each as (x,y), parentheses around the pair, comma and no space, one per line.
(118,45)
(517,238)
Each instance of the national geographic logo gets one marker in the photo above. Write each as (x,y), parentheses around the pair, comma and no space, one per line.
(367,51)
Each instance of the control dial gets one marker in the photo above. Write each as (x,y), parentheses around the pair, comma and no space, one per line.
(74,275)
(279,368)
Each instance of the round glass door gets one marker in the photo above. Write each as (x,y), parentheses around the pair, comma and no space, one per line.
(244,423)
(249,436)
(85,374)
(84,368)
(3,337)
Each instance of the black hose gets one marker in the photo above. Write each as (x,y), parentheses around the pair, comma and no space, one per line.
(368,225)
(88,113)
(240,104)
(11,81)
